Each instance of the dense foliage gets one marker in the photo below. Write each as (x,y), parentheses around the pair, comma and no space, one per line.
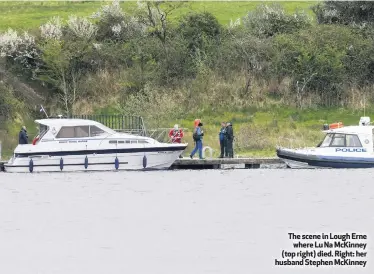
(114,57)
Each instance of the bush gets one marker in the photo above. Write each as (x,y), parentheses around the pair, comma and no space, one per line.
(323,59)
(344,12)
(267,21)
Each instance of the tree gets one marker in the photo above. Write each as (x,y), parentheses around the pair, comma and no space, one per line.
(199,30)
(344,12)
(269,20)
(254,53)
(155,19)
(116,25)
(324,60)
(61,72)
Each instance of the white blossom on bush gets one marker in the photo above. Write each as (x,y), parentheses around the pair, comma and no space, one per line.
(113,10)
(268,20)
(19,48)
(52,29)
(116,29)
(97,46)
(81,27)
(330,13)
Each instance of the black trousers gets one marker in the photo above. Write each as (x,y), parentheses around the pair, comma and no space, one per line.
(223,147)
(229,149)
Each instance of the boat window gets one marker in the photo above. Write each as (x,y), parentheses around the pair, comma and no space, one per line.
(326,142)
(73,132)
(43,129)
(81,131)
(95,131)
(338,140)
(112,142)
(66,132)
(353,141)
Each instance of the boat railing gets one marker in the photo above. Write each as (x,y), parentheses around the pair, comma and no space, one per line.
(129,124)
(120,123)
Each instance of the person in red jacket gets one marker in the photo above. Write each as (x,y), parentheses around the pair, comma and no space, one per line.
(176,134)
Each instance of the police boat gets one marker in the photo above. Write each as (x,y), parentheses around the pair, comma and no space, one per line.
(79,145)
(342,147)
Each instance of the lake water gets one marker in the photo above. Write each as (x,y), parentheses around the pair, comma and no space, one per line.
(172,222)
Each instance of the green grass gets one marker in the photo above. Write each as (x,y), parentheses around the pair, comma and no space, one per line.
(30,15)
(257,131)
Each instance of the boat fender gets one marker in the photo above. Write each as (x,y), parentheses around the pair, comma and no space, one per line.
(116,163)
(86,162)
(145,161)
(61,163)
(31,165)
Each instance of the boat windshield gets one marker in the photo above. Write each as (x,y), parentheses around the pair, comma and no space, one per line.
(341,140)
(326,142)
(42,129)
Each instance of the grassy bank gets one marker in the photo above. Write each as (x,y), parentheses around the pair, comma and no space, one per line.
(25,16)
(257,131)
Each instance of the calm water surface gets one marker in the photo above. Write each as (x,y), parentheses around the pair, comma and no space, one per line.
(228,221)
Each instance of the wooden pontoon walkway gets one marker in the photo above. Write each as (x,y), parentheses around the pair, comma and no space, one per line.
(187,163)
(216,163)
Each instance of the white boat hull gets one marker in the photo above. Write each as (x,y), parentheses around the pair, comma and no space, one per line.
(86,145)
(94,162)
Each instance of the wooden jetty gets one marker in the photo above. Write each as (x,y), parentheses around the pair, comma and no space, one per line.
(187,163)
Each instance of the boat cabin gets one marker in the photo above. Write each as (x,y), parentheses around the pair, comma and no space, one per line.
(70,130)
(349,137)
(52,129)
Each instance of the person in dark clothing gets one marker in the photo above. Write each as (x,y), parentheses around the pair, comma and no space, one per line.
(222,140)
(198,134)
(22,137)
(229,141)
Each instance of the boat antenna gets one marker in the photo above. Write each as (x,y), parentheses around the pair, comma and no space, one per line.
(43,110)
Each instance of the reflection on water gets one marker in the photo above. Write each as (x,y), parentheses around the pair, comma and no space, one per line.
(211,221)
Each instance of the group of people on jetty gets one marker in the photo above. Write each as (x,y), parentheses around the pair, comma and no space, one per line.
(225,135)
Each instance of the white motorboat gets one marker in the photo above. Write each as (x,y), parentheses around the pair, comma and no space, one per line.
(342,147)
(78,145)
